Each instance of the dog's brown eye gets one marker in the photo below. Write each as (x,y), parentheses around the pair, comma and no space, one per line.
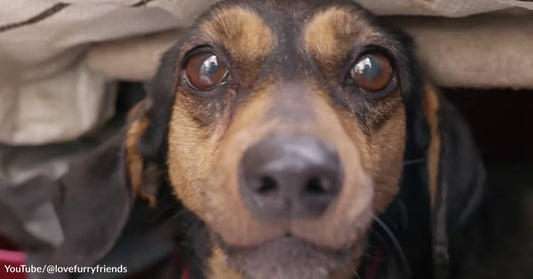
(372,72)
(205,70)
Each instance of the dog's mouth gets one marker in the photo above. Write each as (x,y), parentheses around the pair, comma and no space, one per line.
(288,257)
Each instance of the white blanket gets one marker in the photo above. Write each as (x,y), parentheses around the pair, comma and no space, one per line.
(48,94)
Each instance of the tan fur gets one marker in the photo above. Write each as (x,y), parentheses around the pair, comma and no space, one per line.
(331,33)
(387,146)
(218,266)
(192,151)
(431,108)
(134,160)
(242,31)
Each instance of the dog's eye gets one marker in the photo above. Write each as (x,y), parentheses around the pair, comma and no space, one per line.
(205,71)
(372,72)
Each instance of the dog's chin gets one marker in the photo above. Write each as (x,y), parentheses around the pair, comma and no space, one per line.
(287,258)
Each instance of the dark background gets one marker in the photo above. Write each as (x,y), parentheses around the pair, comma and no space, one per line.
(502,126)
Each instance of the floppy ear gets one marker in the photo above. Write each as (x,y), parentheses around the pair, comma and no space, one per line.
(456,179)
(143,173)
(443,177)
(147,130)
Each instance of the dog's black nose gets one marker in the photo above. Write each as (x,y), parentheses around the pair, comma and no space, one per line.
(290,177)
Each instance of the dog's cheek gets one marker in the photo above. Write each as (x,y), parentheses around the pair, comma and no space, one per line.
(195,130)
(381,148)
(387,145)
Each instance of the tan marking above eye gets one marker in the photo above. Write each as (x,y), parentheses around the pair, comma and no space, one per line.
(205,70)
(372,72)
(330,34)
(241,31)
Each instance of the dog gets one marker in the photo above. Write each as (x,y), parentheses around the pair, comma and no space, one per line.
(304,141)
(298,139)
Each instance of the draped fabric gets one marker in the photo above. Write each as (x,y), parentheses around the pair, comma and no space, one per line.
(52,92)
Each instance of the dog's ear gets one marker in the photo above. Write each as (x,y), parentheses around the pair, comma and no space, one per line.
(147,130)
(142,171)
(443,178)
(456,177)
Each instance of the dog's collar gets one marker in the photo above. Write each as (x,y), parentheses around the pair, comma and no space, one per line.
(185,274)
(371,270)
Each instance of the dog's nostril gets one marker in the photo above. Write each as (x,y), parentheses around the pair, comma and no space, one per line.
(315,186)
(267,185)
(290,177)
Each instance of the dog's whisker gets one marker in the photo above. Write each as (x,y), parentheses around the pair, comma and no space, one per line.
(190,227)
(175,218)
(372,257)
(162,211)
(395,243)
(380,237)
(356,274)
(414,161)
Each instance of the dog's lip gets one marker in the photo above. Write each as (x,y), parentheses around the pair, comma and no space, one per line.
(219,241)
(356,236)
(271,259)
(288,230)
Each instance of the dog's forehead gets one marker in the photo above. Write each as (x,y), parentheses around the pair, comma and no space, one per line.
(251,31)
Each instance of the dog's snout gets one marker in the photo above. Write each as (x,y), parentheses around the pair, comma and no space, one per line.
(290,177)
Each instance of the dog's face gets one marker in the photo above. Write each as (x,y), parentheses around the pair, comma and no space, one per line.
(287,133)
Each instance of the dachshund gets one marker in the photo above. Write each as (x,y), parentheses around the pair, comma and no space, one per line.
(300,139)
(306,142)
